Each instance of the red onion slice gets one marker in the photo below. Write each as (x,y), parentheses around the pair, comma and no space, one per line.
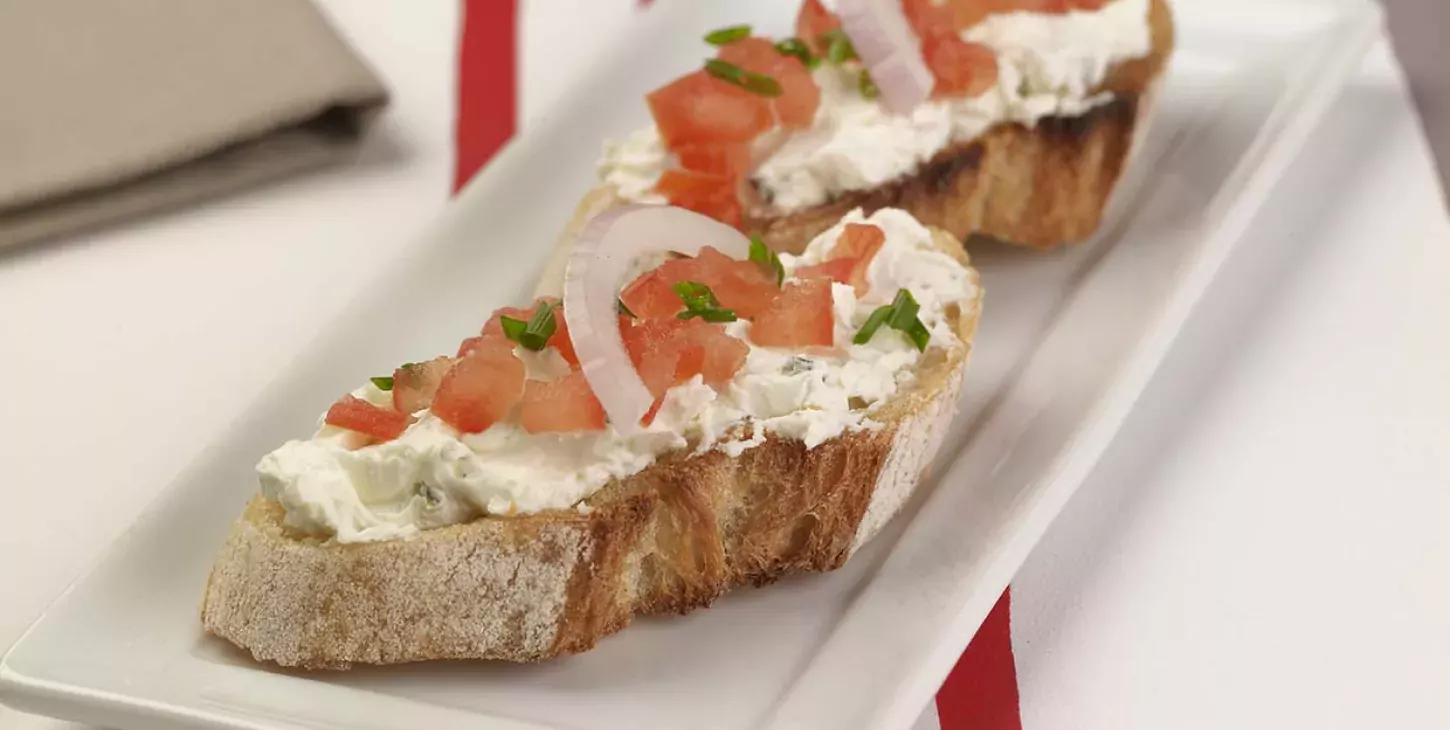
(889,49)
(603,256)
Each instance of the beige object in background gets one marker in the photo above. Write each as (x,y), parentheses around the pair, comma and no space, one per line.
(113,109)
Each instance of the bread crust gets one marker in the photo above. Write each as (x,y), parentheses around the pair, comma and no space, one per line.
(670,539)
(1040,186)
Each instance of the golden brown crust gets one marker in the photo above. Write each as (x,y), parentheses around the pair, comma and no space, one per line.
(1041,186)
(670,539)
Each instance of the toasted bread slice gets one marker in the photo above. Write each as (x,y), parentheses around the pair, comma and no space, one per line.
(1040,186)
(669,539)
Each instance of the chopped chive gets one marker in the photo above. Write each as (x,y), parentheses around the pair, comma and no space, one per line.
(797,48)
(726,36)
(761,254)
(701,302)
(904,308)
(384,383)
(541,326)
(750,81)
(900,315)
(693,294)
(838,47)
(918,334)
(535,333)
(711,315)
(873,323)
(619,307)
(513,329)
(868,86)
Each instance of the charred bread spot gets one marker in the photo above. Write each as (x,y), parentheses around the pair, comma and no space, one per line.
(942,171)
(1070,129)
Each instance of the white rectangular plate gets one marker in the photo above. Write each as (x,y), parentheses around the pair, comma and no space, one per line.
(1069,340)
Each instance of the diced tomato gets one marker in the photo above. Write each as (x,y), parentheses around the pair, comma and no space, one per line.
(800,317)
(480,388)
(563,404)
(800,96)
(669,352)
(813,22)
(1037,6)
(356,414)
(929,17)
(473,343)
(654,353)
(724,355)
(960,68)
(741,286)
(651,297)
(967,13)
(691,358)
(494,329)
(654,410)
(561,340)
(706,350)
(837,270)
(415,383)
(710,195)
(859,241)
(851,258)
(722,160)
(701,109)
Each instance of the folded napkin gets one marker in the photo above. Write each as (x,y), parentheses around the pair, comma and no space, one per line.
(114,108)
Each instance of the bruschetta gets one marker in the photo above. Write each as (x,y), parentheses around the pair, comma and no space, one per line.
(681,412)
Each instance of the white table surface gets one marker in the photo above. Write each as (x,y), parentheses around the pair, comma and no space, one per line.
(1265,545)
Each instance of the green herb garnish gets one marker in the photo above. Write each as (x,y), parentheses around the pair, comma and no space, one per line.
(726,36)
(796,48)
(750,81)
(868,86)
(701,302)
(918,335)
(761,254)
(619,307)
(385,383)
(535,333)
(905,307)
(899,315)
(873,323)
(838,47)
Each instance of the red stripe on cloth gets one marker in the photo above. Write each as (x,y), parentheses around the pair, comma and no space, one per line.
(487,84)
(981,691)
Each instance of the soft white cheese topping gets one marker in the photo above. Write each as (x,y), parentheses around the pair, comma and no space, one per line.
(1048,65)
(432,475)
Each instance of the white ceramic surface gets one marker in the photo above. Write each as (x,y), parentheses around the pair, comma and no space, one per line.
(1069,341)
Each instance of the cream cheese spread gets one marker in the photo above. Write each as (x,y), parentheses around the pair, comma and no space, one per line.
(432,475)
(1048,65)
